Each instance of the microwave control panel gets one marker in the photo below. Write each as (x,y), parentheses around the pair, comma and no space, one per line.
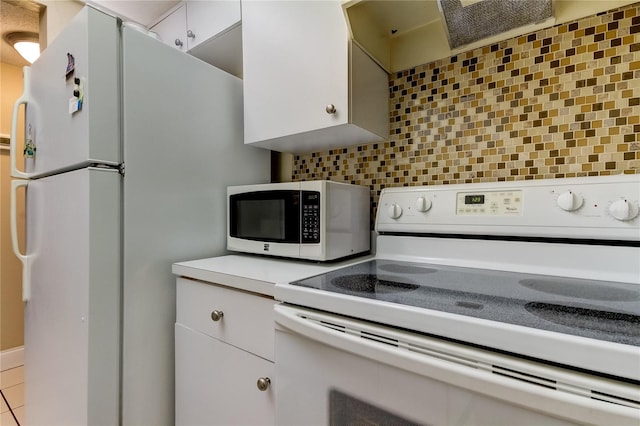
(310,217)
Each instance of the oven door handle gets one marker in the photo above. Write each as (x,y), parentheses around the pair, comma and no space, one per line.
(457,366)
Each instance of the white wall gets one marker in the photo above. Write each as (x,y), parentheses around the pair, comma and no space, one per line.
(55,17)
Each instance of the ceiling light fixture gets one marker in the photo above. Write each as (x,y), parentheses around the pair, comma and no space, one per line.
(26,43)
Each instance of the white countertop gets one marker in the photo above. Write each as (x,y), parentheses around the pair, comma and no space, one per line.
(254,273)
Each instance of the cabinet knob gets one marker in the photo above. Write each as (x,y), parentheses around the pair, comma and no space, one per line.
(190,34)
(263,383)
(178,42)
(217,315)
(331,109)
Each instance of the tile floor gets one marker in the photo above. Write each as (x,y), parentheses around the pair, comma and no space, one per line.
(12,397)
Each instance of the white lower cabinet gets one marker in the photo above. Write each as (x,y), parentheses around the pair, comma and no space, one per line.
(224,356)
(216,383)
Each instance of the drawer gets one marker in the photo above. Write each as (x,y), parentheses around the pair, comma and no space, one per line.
(247,318)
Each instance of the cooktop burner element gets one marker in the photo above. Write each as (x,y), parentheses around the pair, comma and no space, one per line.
(406,269)
(581,290)
(588,319)
(369,283)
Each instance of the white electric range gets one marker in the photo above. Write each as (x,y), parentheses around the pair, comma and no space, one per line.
(500,303)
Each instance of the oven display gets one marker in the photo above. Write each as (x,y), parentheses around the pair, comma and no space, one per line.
(474,199)
(490,203)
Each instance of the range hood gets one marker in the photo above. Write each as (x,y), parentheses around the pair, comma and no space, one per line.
(469,21)
(402,34)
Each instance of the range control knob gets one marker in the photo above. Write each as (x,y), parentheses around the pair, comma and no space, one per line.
(570,201)
(623,209)
(423,204)
(394,211)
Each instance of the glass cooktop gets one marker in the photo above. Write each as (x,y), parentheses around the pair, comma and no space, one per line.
(601,310)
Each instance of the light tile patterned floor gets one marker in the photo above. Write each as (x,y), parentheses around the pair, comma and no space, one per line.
(12,397)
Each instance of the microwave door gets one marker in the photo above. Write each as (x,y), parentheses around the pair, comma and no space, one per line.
(266,216)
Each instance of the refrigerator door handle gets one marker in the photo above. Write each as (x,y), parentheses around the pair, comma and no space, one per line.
(22,100)
(24,258)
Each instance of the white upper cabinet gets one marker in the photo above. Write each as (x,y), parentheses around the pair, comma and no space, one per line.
(206,19)
(171,30)
(306,86)
(207,29)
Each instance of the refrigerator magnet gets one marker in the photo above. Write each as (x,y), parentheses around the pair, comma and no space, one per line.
(29,147)
(71,65)
(75,103)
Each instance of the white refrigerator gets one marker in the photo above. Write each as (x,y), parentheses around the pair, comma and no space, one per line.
(119,188)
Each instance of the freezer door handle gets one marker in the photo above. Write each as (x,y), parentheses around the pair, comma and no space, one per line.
(22,100)
(24,258)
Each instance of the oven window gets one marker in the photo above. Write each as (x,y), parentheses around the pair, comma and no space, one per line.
(347,410)
(270,216)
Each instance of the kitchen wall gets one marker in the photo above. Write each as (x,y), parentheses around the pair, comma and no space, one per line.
(55,16)
(560,102)
(11,306)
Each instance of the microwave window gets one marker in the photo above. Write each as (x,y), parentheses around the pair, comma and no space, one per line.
(261,219)
(266,216)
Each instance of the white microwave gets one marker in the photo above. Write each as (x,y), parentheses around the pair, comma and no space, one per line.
(314,220)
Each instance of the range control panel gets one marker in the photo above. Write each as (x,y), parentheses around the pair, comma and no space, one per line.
(489,203)
(600,207)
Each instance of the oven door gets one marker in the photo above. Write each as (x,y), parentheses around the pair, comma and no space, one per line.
(332,370)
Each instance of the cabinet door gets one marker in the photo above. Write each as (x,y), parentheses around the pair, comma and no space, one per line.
(295,59)
(206,19)
(216,383)
(171,29)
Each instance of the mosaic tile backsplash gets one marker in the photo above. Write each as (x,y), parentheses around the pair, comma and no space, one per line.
(560,102)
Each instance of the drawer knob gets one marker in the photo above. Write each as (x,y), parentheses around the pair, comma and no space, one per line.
(263,383)
(217,315)
(331,109)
